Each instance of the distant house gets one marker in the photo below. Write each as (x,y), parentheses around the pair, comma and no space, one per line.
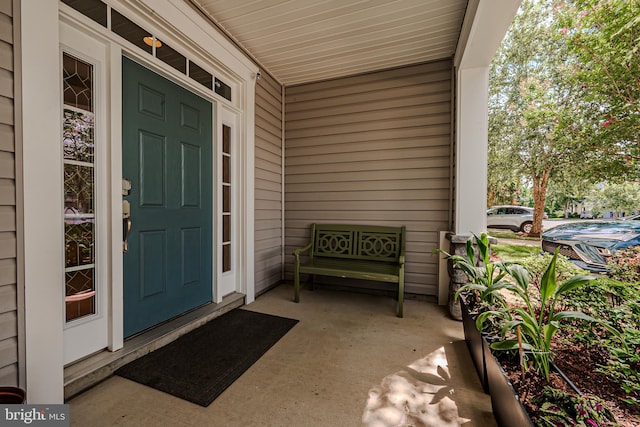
(145,121)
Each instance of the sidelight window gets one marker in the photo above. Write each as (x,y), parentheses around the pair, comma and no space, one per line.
(226,198)
(78,148)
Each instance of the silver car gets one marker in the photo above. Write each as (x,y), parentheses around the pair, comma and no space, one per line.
(516,218)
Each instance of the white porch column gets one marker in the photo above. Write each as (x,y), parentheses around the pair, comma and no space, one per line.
(484,27)
(471,151)
(43,205)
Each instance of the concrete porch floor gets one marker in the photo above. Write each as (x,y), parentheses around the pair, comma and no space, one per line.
(348,357)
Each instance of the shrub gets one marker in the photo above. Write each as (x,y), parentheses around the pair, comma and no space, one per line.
(536,265)
(624,265)
(563,409)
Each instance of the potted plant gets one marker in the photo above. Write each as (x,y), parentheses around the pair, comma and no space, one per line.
(12,395)
(482,293)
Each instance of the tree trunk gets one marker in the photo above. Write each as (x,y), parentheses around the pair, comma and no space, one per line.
(540,183)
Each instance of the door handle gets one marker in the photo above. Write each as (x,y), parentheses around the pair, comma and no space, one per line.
(126,228)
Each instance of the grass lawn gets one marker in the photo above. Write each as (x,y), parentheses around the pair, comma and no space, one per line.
(508,234)
(514,252)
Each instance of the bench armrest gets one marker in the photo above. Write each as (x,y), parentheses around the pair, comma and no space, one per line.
(297,252)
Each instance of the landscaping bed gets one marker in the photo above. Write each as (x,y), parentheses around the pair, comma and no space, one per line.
(597,344)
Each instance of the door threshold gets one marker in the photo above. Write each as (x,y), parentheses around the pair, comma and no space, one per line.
(87,372)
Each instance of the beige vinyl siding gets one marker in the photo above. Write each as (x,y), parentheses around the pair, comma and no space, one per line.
(8,269)
(268,184)
(372,149)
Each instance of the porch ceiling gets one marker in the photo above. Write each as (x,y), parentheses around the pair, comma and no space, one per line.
(300,41)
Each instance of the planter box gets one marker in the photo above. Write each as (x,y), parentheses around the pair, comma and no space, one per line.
(476,345)
(507,408)
(12,396)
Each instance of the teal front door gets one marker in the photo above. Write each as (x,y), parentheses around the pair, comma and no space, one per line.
(167,157)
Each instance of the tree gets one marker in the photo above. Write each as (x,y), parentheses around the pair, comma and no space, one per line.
(565,190)
(565,96)
(531,106)
(623,198)
(604,37)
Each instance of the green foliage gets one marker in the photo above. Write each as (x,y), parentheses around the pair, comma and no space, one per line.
(538,321)
(536,265)
(486,277)
(624,265)
(564,104)
(623,365)
(561,409)
(619,197)
(604,37)
(618,304)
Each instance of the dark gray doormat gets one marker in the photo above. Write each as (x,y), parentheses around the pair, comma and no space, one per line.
(200,365)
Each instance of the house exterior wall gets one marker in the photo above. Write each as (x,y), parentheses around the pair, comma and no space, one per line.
(8,226)
(372,149)
(268,184)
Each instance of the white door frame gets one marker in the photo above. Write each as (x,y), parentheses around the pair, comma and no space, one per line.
(88,334)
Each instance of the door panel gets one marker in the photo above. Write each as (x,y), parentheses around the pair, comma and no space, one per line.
(167,156)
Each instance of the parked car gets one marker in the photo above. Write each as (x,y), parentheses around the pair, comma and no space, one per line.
(589,243)
(516,218)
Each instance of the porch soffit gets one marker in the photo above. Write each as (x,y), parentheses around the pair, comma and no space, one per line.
(302,41)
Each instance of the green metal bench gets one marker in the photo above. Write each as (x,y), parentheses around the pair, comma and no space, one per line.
(354,252)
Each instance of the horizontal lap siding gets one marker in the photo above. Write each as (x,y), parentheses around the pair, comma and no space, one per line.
(8,266)
(268,184)
(372,149)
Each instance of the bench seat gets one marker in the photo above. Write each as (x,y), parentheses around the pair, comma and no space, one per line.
(352,269)
(354,252)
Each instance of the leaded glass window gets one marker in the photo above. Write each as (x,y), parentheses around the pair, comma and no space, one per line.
(78,147)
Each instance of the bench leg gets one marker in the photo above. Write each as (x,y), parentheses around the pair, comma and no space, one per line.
(296,284)
(400,296)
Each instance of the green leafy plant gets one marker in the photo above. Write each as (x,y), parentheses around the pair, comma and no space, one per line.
(623,365)
(486,277)
(624,265)
(617,303)
(537,265)
(561,409)
(538,322)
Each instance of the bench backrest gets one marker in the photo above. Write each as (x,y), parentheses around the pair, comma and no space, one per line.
(365,242)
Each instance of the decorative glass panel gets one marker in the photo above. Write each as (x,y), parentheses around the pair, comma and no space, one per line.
(77,136)
(78,151)
(78,235)
(80,293)
(78,189)
(78,83)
